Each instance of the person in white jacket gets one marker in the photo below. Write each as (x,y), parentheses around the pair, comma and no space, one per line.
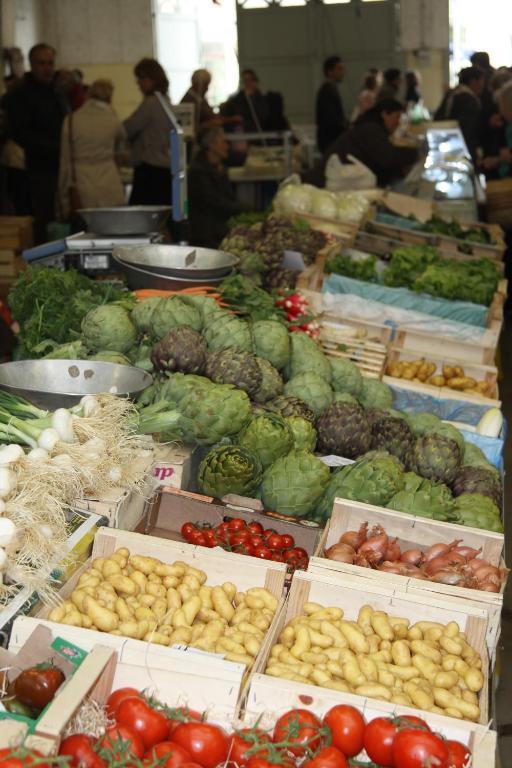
(90,138)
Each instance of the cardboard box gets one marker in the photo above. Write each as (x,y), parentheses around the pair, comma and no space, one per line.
(83,671)
(122,509)
(172,465)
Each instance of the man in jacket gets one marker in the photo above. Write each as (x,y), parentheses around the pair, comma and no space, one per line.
(330,113)
(463,104)
(35,114)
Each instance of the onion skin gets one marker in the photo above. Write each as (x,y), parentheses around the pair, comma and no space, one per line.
(488,586)
(439,549)
(374,549)
(341,553)
(411,556)
(442,562)
(468,552)
(452,578)
(355,538)
(393,551)
(485,571)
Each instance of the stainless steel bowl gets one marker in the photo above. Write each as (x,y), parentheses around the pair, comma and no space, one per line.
(142,278)
(125,219)
(54,384)
(182,261)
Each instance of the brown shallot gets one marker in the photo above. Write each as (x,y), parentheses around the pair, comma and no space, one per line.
(355,538)
(342,553)
(411,556)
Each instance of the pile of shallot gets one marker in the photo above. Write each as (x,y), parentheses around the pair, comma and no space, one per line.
(452,564)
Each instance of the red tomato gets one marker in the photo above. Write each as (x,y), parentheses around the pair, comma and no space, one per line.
(8,759)
(459,755)
(414,748)
(187,529)
(210,537)
(175,756)
(79,747)
(256,541)
(288,541)
(198,538)
(255,527)
(243,741)
(207,744)
(277,557)
(378,741)
(236,524)
(117,697)
(275,541)
(181,715)
(123,739)
(268,532)
(328,757)
(263,552)
(262,762)
(239,537)
(300,553)
(150,725)
(347,726)
(404,720)
(300,728)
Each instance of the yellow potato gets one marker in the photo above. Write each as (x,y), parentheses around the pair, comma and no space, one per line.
(450,645)
(374,691)
(123,585)
(146,565)
(123,610)
(250,629)
(402,673)
(445,699)
(181,635)
(268,599)
(320,640)
(401,698)
(401,653)
(384,677)
(337,685)
(310,608)
(426,667)
(352,673)
(474,680)
(74,618)
(252,645)
(356,641)
(102,618)
(426,649)
(157,590)
(420,698)
(302,642)
(319,676)
(380,624)
(147,600)
(139,579)
(222,604)
(368,668)
(364,619)
(445,680)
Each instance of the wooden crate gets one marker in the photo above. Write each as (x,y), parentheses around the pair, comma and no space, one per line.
(16,232)
(92,679)
(176,507)
(267,693)
(123,509)
(219,566)
(413,532)
(342,341)
(487,373)
(344,231)
(423,344)
(312,277)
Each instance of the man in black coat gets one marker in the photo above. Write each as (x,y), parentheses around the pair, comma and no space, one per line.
(464,105)
(330,114)
(35,114)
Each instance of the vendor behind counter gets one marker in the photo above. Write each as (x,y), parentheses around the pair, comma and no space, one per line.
(369,140)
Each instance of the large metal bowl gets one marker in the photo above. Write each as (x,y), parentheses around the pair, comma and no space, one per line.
(182,261)
(125,219)
(54,384)
(142,278)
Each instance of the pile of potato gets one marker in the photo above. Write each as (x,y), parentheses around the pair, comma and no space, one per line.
(452,376)
(143,598)
(426,665)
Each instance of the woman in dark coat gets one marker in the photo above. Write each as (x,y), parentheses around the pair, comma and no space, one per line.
(211,198)
(368,140)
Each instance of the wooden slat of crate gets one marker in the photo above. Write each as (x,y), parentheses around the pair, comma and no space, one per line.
(369,356)
(485,373)
(481,352)
(265,692)
(346,231)
(412,533)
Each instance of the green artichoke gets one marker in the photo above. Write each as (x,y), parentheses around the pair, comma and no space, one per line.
(110,357)
(447,430)
(346,377)
(108,328)
(426,500)
(390,434)
(343,430)
(229,469)
(304,433)
(213,413)
(344,397)
(312,389)
(206,306)
(267,436)
(179,385)
(436,457)
(181,349)
(478,511)
(272,342)
(234,366)
(293,484)
(422,423)
(375,394)
(271,382)
(373,481)
(172,312)
(224,330)
(478,480)
(306,355)
(291,406)
(142,313)
(475,457)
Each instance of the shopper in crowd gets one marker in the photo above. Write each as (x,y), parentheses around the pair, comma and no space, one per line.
(494,131)
(463,105)
(148,130)
(330,112)
(498,165)
(391,84)
(412,87)
(196,95)
(248,107)
(211,198)
(35,113)
(369,141)
(88,174)
(367,95)
(12,160)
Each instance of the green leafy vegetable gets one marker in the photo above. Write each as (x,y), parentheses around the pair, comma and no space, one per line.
(248,300)
(360,269)
(408,263)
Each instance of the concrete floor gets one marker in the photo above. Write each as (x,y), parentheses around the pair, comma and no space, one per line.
(503,677)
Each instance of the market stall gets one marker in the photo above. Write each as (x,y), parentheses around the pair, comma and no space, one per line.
(291,477)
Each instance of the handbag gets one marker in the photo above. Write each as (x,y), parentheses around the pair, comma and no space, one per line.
(75,202)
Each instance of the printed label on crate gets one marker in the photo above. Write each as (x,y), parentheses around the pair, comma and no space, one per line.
(69,651)
(164,472)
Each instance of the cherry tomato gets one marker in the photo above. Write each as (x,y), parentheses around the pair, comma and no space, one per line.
(288,541)
(239,537)
(261,762)
(80,749)
(122,738)
(210,537)
(275,541)
(181,715)
(236,524)
(268,532)
(36,686)
(207,744)
(244,741)
(277,557)
(347,727)
(378,741)
(459,755)
(328,757)
(187,529)
(150,725)
(414,748)
(301,729)
(175,756)
(256,540)
(290,556)
(263,552)
(197,537)
(255,527)
(300,553)
(117,697)
(8,759)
